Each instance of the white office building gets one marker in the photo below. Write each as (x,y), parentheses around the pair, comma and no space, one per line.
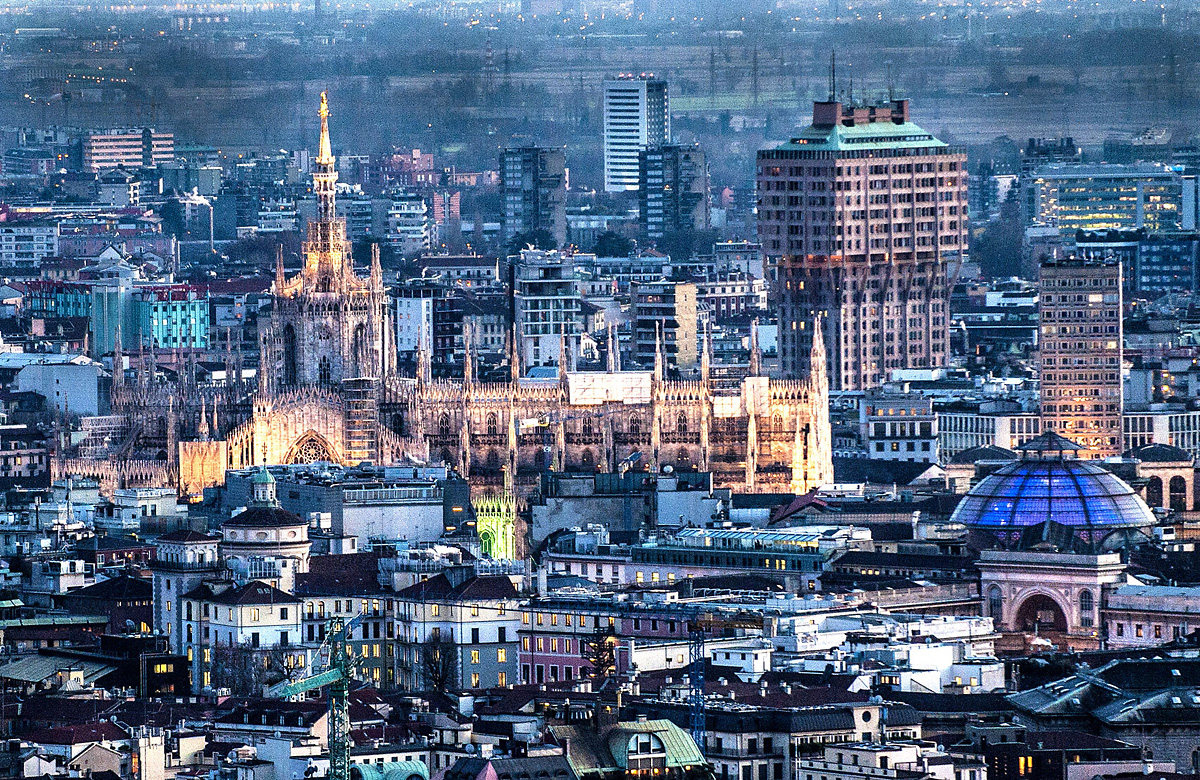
(549,306)
(408,229)
(637,115)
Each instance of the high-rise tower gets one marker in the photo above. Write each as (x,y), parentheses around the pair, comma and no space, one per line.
(863,217)
(533,180)
(637,115)
(1079,351)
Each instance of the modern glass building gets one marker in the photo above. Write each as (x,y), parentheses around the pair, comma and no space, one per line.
(1105,197)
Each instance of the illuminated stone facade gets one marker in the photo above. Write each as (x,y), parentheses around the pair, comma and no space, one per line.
(328,390)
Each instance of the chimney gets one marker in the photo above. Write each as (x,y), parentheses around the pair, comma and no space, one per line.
(826,113)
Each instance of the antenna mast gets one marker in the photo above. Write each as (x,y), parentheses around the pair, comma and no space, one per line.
(832,75)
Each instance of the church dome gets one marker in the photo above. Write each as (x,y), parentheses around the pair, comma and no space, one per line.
(264,517)
(1074,493)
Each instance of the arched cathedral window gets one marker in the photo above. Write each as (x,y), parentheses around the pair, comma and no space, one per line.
(289,355)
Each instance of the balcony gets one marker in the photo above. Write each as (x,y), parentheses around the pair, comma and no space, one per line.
(681,437)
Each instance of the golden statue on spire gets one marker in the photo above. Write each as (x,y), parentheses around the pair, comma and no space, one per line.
(325,151)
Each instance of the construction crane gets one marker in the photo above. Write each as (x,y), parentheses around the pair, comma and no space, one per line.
(332,665)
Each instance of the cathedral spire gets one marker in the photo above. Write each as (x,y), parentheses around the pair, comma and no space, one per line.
(376,269)
(562,356)
(658,352)
(514,355)
(141,366)
(325,174)
(280,277)
(424,359)
(228,357)
(468,354)
(613,355)
(755,354)
(118,361)
(706,355)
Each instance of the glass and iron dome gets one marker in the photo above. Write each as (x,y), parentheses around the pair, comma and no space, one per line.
(1069,492)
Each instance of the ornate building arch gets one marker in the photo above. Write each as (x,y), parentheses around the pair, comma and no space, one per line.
(311,448)
(298,427)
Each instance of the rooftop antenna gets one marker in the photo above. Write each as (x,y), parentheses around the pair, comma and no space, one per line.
(891,84)
(832,75)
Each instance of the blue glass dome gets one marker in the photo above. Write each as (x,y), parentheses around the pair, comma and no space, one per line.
(1070,492)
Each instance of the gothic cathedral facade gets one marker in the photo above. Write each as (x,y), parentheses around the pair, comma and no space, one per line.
(327,389)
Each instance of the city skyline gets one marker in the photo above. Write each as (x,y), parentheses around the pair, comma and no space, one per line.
(545,391)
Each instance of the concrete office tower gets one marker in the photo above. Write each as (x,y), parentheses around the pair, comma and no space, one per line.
(672,190)
(1080,352)
(863,219)
(637,115)
(664,313)
(533,181)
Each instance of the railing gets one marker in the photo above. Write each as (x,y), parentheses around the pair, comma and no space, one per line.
(186,565)
(370,495)
(927,595)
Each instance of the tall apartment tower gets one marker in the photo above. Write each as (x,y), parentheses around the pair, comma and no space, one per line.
(547,309)
(672,190)
(664,318)
(637,115)
(863,218)
(533,181)
(1079,349)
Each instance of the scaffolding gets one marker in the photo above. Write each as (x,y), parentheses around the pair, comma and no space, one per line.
(102,434)
(362,419)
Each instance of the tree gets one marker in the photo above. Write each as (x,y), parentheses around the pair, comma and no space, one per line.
(538,239)
(439,659)
(247,670)
(261,250)
(610,244)
(682,245)
(600,655)
(997,246)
